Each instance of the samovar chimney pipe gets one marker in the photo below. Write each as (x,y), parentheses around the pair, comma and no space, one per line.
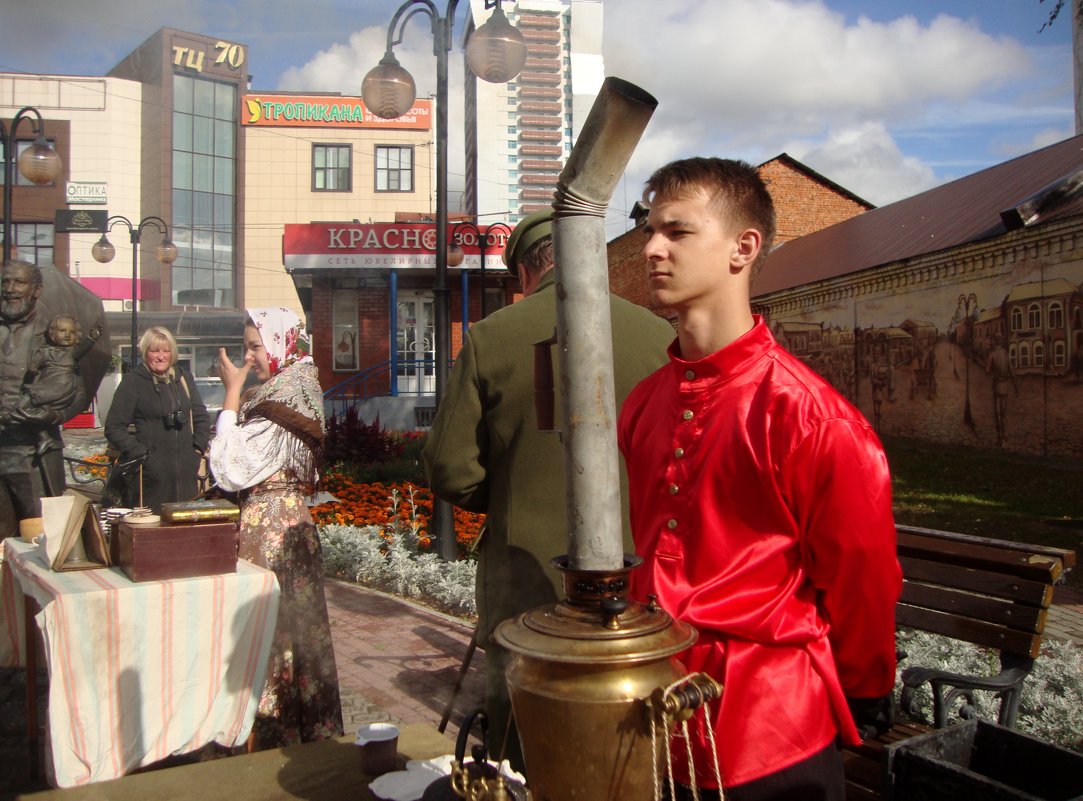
(592,467)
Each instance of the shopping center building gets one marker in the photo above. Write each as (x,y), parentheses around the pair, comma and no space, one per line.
(272,197)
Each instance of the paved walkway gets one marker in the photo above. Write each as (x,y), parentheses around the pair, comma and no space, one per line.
(398,661)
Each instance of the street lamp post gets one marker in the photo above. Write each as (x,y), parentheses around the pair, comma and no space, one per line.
(496,53)
(103,252)
(38,163)
(969,305)
(485,240)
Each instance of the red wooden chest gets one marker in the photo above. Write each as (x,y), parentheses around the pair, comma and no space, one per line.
(161,551)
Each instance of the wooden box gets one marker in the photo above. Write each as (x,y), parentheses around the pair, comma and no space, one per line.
(980,761)
(161,551)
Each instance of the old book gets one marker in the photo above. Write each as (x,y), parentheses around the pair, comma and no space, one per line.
(200,511)
(73,538)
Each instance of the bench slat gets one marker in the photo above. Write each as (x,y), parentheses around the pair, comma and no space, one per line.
(1021,617)
(968,630)
(1067,556)
(1014,562)
(1035,593)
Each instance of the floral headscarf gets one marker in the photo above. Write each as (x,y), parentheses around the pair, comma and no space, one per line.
(292,397)
(285,337)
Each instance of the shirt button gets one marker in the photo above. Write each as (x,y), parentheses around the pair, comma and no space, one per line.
(679,452)
(687,414)
(671,524)
(674,489)
(689,374)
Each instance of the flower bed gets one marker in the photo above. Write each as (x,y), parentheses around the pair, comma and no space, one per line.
(390,503)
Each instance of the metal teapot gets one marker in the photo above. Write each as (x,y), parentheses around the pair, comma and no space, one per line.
(476,780)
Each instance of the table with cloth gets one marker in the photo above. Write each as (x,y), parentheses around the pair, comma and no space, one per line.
(138,672)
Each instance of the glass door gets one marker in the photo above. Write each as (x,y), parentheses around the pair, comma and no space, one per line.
(415,341)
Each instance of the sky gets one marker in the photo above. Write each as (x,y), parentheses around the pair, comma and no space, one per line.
(885,98)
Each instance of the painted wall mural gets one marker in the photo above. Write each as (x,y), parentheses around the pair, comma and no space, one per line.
(995,361)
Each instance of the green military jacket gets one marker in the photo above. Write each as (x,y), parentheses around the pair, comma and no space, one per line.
(485,453)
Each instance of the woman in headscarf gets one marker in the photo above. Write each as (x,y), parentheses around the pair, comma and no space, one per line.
(267,448)
(157,413)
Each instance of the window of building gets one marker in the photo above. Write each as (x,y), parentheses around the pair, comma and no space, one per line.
(344,329)
(22,145)
(394,169)
(1024,354)
(1039,354)
(33,242)
(1013,356)
(1056,314)
(512,129)
(331,168)
(1060,353)
(204,191)
(1034,316)
(1017,318)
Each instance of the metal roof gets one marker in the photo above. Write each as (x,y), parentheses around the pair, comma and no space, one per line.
(958,213)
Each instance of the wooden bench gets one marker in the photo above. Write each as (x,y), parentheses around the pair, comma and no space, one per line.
(988,592)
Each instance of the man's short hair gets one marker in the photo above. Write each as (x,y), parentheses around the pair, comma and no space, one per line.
(734,186)
(530,230)
(538,257)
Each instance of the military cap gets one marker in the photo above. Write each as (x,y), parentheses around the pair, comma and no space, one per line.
(528,232)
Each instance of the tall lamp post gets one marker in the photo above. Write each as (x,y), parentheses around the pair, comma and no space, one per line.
(38,163)
(496,53)
(969,305)
(484,241)
(103,252)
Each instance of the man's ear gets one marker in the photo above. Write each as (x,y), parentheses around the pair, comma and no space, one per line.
(747,249)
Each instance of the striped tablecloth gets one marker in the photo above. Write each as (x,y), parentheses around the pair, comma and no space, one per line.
(139,672)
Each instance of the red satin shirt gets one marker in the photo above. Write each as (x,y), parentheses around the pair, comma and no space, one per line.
(761,505)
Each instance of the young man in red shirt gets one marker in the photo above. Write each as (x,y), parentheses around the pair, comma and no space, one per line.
(761,504)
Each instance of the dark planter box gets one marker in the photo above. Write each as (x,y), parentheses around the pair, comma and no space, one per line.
(980,761)
(155,552)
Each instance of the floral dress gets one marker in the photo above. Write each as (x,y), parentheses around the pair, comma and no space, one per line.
(300,701)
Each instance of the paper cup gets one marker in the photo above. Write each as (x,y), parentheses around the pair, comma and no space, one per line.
(379,745)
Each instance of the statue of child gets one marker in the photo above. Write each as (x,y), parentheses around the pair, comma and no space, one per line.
(52,378)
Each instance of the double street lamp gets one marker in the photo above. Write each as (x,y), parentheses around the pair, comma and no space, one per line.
(484,240)
(38,163)
(495,52)
(103,252)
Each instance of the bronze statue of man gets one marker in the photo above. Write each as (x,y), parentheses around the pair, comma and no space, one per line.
(31,452)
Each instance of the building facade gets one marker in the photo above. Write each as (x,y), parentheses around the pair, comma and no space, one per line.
(959,310)
(175,132)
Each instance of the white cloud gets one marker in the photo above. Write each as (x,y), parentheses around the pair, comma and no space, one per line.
(866,155)
(753,78)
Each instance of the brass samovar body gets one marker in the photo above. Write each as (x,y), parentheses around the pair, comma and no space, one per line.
(578,685)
